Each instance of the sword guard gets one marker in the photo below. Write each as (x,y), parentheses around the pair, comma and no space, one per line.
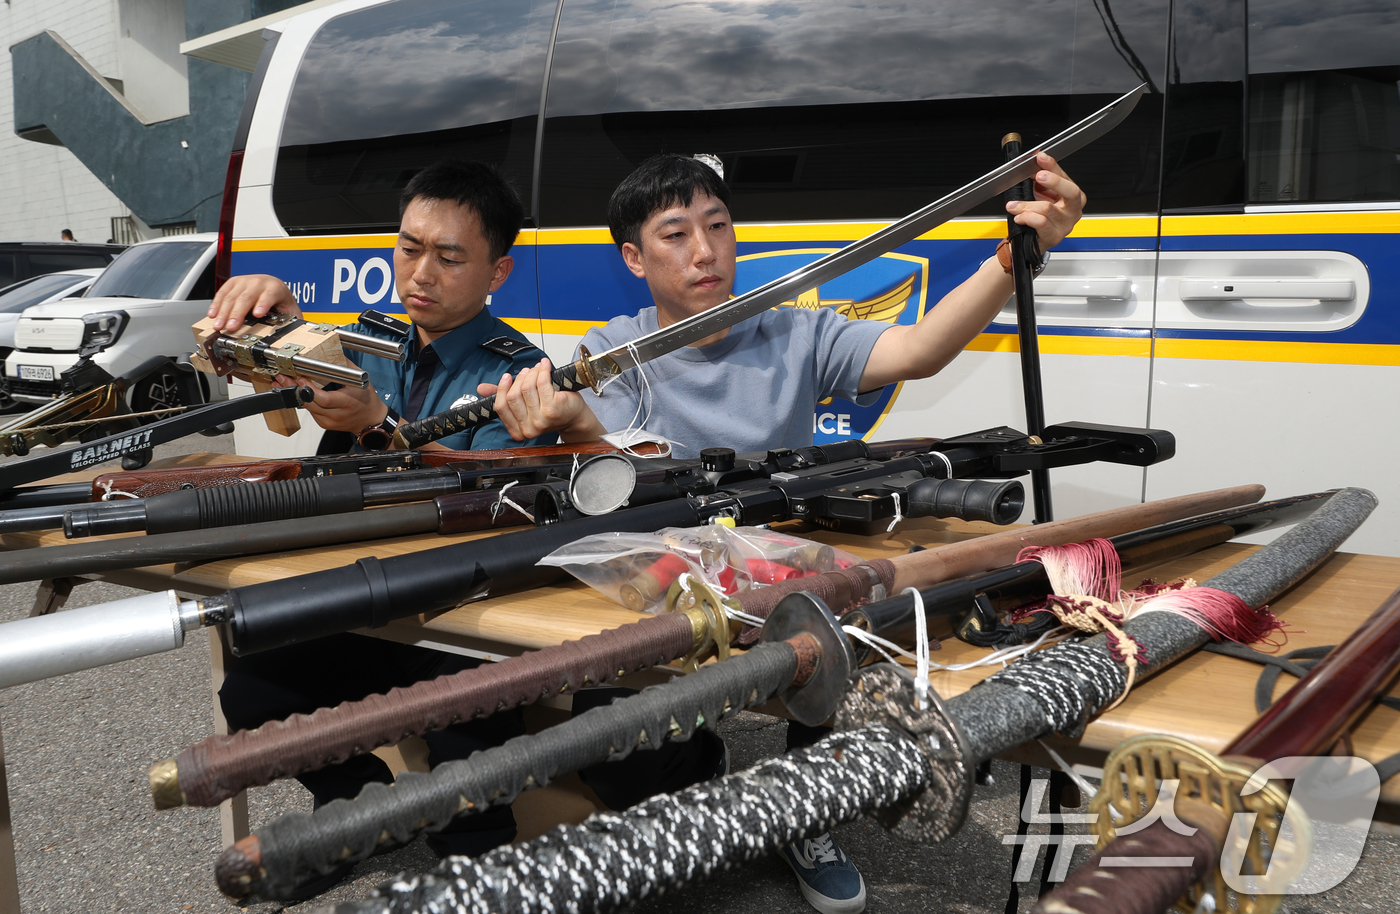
(701,598)
(1132,776)
(587,372)
(885,694)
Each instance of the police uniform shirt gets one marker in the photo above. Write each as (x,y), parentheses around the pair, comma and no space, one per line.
(478,352)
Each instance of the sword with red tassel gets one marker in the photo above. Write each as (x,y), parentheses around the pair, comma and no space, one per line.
(1128,876)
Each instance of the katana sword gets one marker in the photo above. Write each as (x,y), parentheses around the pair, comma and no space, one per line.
(592,370)
(1058,689)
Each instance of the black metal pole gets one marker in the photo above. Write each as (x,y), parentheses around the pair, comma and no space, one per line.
(1024,252)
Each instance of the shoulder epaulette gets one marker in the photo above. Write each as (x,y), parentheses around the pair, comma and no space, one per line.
(507,347)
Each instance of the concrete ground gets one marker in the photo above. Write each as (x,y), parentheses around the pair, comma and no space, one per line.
(77,747)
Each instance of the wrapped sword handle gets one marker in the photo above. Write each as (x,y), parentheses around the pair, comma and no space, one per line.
(472,411)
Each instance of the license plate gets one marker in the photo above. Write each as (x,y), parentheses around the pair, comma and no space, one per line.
(35,373)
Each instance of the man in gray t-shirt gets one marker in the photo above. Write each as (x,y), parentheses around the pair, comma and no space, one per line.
(752,391)
(753,386)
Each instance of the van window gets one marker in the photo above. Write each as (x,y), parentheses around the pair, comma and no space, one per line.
(8,273)
(149,271)
(383,92)
(844,109)
(1324,101)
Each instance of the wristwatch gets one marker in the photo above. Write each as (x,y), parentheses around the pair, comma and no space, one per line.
(379,436)
(1003,256)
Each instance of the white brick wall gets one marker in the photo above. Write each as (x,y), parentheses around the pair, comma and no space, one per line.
(44,189)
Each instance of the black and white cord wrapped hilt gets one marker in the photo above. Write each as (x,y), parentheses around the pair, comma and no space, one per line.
(614,859)
(472,411)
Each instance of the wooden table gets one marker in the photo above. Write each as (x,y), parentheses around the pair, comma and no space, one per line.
(1206,698)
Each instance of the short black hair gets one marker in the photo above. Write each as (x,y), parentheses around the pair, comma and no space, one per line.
(479,186)
(660,182)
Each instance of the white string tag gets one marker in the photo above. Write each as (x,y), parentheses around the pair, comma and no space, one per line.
(502,499)
(1001,655)
(898,515)
(921,661)
(109,491)
(627,439)
(1084,786)
(636,432)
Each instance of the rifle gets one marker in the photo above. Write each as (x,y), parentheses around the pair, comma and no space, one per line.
(221,766)
(339,485)
(92,404)
(148,482)
(909,754)
(1307,721)
(279,344)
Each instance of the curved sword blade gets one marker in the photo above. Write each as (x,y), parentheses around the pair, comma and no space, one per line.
(868,248)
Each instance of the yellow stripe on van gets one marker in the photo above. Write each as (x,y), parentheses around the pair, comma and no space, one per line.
(339,242)
(958,230)
(568,328)
(1177,348)
(336,317)
(1052,344)
(314,243)
(1277,351)
(1282,224)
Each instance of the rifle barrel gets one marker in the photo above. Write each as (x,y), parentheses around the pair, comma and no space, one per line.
(372,345)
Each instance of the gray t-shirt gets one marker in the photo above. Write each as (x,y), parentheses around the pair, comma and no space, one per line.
(754,390)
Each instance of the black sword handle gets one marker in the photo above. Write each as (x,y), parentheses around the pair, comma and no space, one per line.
(91,453)
(1025,250)
(475,412)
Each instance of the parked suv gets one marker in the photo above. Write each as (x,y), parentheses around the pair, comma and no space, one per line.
(23,259)
(141,306)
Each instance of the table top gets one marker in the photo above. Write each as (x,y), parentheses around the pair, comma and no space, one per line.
(1206,698)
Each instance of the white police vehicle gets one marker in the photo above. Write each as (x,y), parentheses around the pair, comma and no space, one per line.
(1227,284)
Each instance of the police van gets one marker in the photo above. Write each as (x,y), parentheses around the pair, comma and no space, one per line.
(1228,282)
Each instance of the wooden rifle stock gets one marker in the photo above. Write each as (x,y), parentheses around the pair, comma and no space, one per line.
(149,482)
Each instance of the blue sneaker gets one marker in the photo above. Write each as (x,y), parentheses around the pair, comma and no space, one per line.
(828,879)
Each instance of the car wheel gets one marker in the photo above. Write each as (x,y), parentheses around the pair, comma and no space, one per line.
(161,390)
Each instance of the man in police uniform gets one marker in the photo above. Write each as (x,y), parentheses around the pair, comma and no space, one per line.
(458,222)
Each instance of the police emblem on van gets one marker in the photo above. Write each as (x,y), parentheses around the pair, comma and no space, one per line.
(892,288)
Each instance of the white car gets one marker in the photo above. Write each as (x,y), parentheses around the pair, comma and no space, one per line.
(141,306)
(38,290)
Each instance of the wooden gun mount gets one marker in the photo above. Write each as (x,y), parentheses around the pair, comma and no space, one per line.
(277,345)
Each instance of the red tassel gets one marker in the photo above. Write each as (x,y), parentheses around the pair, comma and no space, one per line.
(1224,615)
(1091,568)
